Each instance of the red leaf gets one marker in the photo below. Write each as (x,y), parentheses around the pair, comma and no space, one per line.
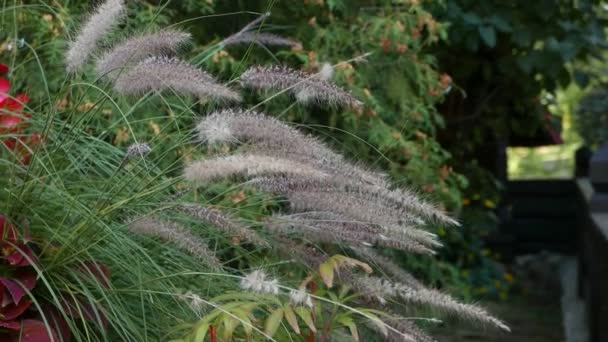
(19,255)
(34,331)
(57,322)
(14,325)
(7,230)
(78,308)
(12,311)
(5,85)
(3,69)
(23,279)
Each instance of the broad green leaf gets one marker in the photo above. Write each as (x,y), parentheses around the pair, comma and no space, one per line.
(306,316)
(326,270)
(291,318)
(273,321)
(488,35)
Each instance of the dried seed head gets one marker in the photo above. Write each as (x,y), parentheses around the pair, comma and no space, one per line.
(272,137)
(382,289)
(260,38)
(98,25)
(257,281)
(177,234)
(307,88)
(166,73)
(138,150)
(247,166)
(135,49)
(300,297)
(223,221)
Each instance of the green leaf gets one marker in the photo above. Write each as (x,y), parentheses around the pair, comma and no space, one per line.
(471,18)
(244,315)
(488,35)
(326,270)
(306,316)
(230,323)
(273,321)
(291,318)
(200,333)
(500,23)
(348,322)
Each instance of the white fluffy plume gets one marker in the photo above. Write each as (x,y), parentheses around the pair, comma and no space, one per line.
(98,25)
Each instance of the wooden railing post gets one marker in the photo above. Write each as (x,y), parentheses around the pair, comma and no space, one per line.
(597,244)
(598,175)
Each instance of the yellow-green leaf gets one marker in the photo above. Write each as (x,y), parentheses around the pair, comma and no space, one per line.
(306,316)
(273,321)
(230,323)
(200,333)
(245,317)
(326,270)
(351,325)
(291,318)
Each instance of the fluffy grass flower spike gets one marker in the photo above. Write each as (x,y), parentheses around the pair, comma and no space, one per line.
(306,88)
(135,49)
(98,25)
(170,73)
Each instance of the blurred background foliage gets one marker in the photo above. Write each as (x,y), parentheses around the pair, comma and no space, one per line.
(447,86)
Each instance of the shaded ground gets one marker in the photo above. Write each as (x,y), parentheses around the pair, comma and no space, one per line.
(530,319)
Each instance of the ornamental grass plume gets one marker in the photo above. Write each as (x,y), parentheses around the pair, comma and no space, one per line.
(272,136)
(405,330)
(177,234)
(250,34)
(161,73)
(329,232)
(306,88)
(135,49)
(96,27)
(260,38)
(383,289)
(246,166)
(300,297)
(257,281)
(222,221)
(387,265)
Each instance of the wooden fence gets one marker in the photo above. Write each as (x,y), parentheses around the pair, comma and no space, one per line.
(568,217)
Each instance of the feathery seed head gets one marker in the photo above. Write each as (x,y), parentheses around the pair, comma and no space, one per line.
(270,136)
(307,88)
(195,301)
(382,289)
(327,72)
(300,297)
(222,221)
(177,234)
(138,150)
(167,73)
(98,25)
(260,38)
(247,166)
(138,48)
(257,281)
